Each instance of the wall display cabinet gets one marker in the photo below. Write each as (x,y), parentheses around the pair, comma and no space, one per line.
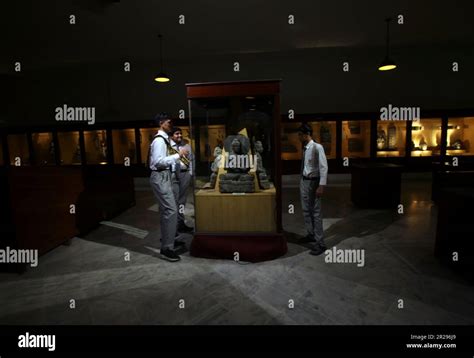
(356,139)
(43,148)
(426,137)
(18,149)
(96,146)
(436,136)
(69,148)
(238,195)
(391,138)
(460,136)
(125,146)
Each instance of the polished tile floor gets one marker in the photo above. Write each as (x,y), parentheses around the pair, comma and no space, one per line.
(108,289)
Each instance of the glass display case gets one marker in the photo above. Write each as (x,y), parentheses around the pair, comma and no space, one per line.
(460,136)
(69,148)
(356,139)
(237,194)
(43,147)
(96,146)
(391,138)
(124,144)
(19,149)
(426,137)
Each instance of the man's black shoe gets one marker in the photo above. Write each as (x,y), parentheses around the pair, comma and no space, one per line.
(316,251)
(169,255)
(185,228)
(307,238)
(179,244)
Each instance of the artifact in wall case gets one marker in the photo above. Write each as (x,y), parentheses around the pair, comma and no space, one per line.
(103,150)
(237,179)
(354,127)
(261,172)
(392,136)
(77,155)
(457,144)
(381,139)
(51,151)
(423,145)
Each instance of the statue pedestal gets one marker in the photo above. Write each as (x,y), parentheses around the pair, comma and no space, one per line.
(245,212)
(245,224)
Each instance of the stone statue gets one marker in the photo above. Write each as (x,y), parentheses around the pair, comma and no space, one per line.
(261,172)
(237,179)
(215,165)
(381,139)
(457,144)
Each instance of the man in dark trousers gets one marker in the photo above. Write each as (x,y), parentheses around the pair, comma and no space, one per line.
(163,163)
(185,174)
(314,169)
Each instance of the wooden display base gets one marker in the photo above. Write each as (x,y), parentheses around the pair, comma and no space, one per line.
(243,223)
(225,213)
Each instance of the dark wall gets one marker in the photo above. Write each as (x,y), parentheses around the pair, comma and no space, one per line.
(313,81)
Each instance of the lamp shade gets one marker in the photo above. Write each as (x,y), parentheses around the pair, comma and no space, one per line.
(162,77)
(387,65)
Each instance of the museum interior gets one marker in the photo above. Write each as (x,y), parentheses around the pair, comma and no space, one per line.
(385,87)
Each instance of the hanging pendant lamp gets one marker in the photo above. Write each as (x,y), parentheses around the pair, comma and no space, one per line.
(387,64)
(161,77)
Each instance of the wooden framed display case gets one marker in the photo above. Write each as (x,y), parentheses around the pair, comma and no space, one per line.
(95,146)
(237,187)
(426,137)
(356,139)
(125,146)
(69,148)
(44,148)
(391,139)
(460,136)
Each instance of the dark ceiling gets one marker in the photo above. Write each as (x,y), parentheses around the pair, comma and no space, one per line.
(39,33)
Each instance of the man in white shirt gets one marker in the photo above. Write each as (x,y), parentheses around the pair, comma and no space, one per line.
(314,170)
(163,164)
(185,176)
